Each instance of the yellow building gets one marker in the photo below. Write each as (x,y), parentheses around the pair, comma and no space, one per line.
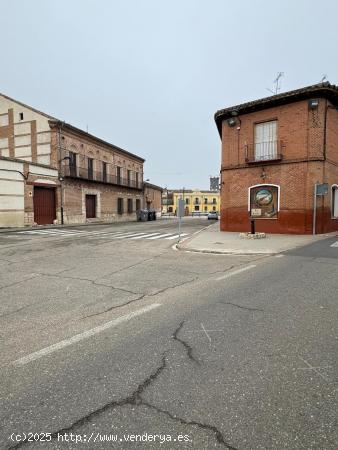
(195,201)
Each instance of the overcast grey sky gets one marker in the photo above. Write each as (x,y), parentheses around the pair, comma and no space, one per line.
(148,75)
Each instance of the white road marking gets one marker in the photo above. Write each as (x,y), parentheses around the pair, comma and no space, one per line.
(129,235)
(235,272)
(335,244)
(313,368)
(205,331)
(85,335)
(159,237)
(144,236)
(279,256)
(176,236)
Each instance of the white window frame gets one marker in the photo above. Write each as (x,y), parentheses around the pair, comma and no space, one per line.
(264,184)
(334,187)
(265,154)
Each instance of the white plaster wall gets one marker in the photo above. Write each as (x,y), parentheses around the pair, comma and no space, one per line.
(3,143)
(42,171)
(22,140)
(43,138)
(41,121)
(4,120)
(43,159)
(43,149)
(22,151)
(11,194)
(22,127)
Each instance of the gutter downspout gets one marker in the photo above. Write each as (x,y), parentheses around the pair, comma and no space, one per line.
(60,126)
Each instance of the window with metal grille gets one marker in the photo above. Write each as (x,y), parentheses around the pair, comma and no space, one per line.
(120,206)
(90,168)
(130,205)
(119,174)
(138,204)
(265,140)
(72,164)
(104,171)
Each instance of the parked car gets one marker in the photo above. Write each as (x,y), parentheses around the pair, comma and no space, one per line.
(213,215)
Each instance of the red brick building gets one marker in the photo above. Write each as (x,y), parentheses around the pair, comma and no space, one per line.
(53,173)
(274,152)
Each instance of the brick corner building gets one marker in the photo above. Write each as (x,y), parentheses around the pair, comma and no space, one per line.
(274,152)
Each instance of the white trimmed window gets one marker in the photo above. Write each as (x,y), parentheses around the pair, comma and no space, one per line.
(266,140)
(334,197)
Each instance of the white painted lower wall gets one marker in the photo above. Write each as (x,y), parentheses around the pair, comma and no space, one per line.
(12,202)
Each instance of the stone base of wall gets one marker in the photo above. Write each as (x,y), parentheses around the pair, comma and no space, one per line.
(29,218)
(80,219)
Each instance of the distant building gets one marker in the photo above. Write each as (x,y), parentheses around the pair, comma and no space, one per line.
(52,172)
(274,152)
(152,197)
(195,201)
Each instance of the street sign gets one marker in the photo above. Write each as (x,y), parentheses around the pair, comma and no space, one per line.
(180,208)
(322,189)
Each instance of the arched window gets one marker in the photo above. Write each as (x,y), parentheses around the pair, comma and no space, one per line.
(334,199)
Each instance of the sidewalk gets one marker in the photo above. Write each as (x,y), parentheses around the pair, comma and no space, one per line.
(212,240)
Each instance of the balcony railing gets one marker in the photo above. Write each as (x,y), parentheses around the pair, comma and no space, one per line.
(264,151)
(84,173)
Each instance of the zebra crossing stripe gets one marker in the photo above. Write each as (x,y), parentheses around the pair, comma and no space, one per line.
(105,235)
(108,234)
(128,235)
(176,236)
(159,237)
(144,236)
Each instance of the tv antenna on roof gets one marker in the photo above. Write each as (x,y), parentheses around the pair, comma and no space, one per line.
(324,77)
(277,83)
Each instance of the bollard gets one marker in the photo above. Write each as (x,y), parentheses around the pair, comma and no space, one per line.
(253,231)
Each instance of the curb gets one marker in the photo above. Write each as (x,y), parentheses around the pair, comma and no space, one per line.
(230,252)
(248,253)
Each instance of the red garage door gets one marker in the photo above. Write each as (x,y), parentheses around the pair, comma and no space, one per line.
(44,205)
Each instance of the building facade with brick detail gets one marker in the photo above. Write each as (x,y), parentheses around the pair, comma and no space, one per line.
(274,152)
(52,172)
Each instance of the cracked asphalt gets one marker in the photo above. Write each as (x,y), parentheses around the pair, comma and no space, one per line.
(245,362)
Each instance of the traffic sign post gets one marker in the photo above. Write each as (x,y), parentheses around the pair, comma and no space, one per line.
(180,214)
(319,190)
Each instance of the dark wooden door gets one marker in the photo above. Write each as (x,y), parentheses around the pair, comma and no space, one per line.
(90,206)
(44,205)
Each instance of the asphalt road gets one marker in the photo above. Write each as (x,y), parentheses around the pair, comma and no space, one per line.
(108,340)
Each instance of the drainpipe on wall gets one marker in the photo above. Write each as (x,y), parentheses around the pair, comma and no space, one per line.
(60,126)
